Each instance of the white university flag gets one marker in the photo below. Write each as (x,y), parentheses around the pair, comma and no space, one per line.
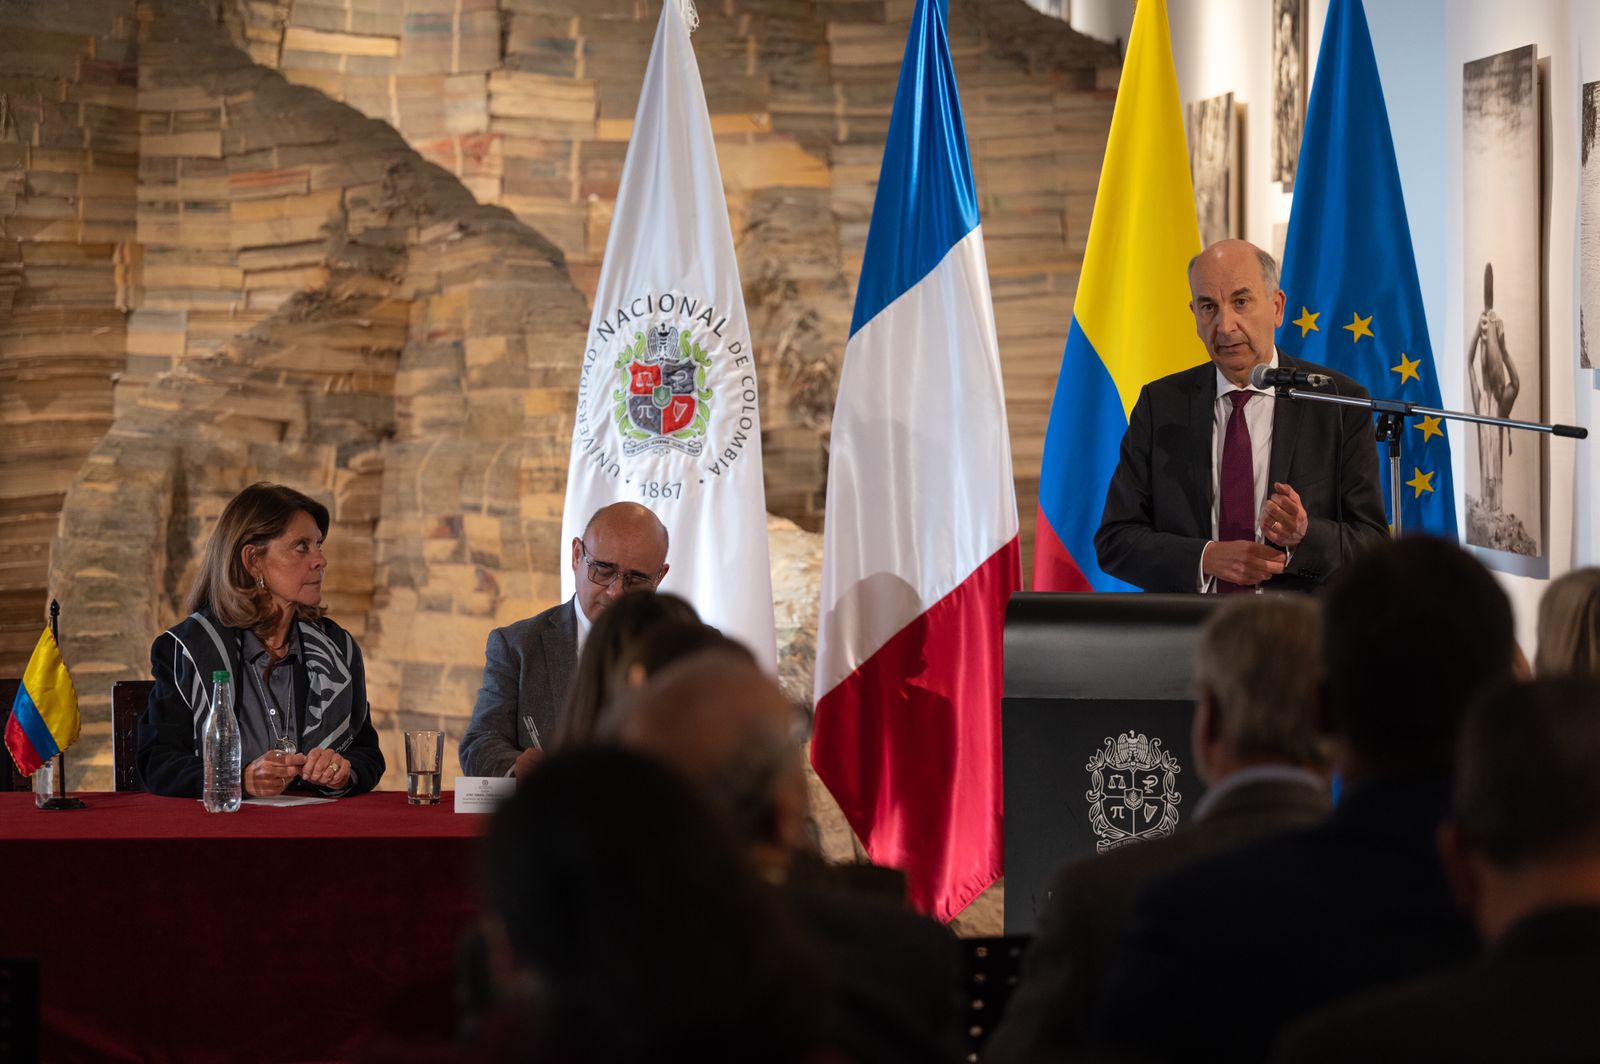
(667,402)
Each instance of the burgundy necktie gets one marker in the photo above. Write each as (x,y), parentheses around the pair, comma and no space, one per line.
(1236,484)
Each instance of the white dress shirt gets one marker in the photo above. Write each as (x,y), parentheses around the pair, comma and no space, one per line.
(584,623)
(1258,419)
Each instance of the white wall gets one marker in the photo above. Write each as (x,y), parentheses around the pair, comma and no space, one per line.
(1224,46)
(1107,20)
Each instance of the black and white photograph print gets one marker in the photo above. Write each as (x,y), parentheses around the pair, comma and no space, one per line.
(1288,87)
(1589,226)
(1214,167)
(1500,186)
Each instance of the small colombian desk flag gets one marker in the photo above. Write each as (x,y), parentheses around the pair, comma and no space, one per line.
(44,716)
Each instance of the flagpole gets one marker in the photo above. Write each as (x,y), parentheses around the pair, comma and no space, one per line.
(58,799)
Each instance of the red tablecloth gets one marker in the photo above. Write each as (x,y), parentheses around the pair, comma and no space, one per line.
(168,934)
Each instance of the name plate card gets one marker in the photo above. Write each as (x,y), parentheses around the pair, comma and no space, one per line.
(480,794)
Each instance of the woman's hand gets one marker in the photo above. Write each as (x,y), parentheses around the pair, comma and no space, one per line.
(270,773)
(327,769)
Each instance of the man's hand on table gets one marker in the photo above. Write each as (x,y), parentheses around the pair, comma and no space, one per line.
(525,762)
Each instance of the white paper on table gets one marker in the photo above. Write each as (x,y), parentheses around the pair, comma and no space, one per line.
(284,801)
(480,794)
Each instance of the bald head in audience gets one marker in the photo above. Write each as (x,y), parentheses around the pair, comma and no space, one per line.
(726,724)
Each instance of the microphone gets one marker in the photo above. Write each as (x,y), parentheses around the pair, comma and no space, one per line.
(1263,376)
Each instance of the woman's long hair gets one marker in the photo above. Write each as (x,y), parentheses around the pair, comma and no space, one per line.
(622,622)
(254,517)
(1569,626)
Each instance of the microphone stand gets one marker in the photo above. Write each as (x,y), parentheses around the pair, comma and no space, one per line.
(1392,415)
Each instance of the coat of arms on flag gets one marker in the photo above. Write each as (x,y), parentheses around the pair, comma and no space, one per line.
(668,408)
(667,403)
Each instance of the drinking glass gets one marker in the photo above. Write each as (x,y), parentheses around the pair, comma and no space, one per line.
(424,759)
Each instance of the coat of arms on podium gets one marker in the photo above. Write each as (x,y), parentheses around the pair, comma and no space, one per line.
(666,404)
(1133,791)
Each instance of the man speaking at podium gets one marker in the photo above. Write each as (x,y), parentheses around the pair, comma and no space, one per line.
(1221,486)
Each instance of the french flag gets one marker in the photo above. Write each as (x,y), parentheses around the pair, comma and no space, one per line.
(920,549)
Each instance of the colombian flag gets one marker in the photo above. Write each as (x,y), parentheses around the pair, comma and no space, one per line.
(44,717)
(1130,323)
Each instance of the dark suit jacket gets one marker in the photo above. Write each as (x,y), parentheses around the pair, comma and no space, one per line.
(1092,898)
(527,668)
(1532,997)
(893,976)
(1157,517)
(1222,953)
(169,758)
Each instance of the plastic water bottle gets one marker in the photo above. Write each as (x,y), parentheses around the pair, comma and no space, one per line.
(220,739)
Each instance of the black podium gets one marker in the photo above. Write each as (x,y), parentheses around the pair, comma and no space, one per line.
(1095,726)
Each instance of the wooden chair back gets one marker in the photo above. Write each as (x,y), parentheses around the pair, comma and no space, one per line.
(129,699)
(993,967)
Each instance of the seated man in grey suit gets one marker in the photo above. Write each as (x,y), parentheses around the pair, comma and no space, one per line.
(528,665)
(1523,849)
(1256,745)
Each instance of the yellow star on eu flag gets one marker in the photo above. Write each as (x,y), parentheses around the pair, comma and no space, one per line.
(1430,428)
(1358,327)
(1421,481)
(1307,322)
(1407,368)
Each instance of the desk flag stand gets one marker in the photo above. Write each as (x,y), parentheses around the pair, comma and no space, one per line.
(1392,415)
(50,778)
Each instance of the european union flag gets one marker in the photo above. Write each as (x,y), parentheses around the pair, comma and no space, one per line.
(1348,269)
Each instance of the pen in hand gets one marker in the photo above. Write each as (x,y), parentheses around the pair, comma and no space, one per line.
(533,730)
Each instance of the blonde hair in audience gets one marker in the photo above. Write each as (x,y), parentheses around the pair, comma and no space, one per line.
(1260,658)
(1569,626)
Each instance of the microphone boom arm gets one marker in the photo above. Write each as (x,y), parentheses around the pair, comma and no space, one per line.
(1392,415)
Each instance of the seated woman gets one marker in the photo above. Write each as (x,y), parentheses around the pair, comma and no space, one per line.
(1569,626)
(300,690)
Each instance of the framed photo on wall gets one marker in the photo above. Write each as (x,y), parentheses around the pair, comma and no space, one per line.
(1214,166)
(1501,186)
(1589,231)
(1288,87)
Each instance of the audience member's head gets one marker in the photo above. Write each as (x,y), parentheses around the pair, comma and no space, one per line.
(1569,626)
(1525,834)
(1256,673)
(625,620)
(634,926)
(1412,630)
(666,642)
(727,725)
